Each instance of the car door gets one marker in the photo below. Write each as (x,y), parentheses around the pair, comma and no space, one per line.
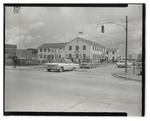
(67,65)
(70,65)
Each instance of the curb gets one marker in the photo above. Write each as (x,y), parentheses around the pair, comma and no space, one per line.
(121,76)
(18,68)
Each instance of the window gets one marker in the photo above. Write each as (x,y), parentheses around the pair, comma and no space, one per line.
(59,56)
(40,56)
(77,56)
(93,47)
(44,56)
(77,47)
(52,50)
(107,52)
(48,49)
(84,55)
(70,47)
(70,55)
(84,47)
(113,52)
(44,49)
(40,50)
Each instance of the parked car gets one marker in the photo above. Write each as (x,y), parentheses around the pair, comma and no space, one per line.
(121,63)
(138,64)
(61,65)
(87,63)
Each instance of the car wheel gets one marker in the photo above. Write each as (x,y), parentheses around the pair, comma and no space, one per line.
(73,68)
(61,69)
(48,70)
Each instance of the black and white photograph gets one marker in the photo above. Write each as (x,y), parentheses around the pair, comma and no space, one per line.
(80,59)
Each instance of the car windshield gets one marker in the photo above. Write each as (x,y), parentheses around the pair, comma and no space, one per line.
(122,61)
(66,61)
(86,61)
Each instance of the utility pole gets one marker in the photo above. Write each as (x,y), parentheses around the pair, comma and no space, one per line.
(126,47)
(126,41)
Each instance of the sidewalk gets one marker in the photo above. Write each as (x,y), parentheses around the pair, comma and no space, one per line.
(128,76)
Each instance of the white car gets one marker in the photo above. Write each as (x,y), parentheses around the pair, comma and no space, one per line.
(121,63)
(62,65)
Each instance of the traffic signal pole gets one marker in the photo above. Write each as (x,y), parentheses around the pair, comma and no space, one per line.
(126,41)
(126,46)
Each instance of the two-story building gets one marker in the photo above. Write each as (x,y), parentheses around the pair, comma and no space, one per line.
(80,48)
(50,51)
(112,54)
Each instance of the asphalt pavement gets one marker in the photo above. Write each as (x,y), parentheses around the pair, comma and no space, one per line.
(83,90)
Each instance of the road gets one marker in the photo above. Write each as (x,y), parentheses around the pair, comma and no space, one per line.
(83,90)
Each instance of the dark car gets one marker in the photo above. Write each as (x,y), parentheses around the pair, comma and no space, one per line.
(87,63)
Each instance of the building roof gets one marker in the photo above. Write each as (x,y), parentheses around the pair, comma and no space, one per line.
(89,42)
(53,45)
(10,46)
(33,50)
(111,49)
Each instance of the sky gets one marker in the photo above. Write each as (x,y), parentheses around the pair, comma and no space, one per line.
(34,26)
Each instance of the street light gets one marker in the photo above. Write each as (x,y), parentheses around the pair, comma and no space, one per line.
(126,45)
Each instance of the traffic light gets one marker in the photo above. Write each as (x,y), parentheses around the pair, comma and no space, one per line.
(102,28)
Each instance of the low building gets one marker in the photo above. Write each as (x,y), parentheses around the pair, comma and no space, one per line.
(27,56)
(50,51)
(24,54)
(10,53)
(112,54)
(80,48)
(34,53)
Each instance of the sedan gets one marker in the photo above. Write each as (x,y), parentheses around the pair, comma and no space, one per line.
(65,64)
(121,63)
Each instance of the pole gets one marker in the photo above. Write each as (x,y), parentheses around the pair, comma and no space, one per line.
(126,46)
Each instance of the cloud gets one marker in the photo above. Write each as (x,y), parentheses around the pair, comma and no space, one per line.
(36,25)
(60,24)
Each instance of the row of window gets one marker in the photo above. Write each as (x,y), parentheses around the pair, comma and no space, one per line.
(48,50)
(96,56)
(50,56)
(112,52)
(97,48)
(70,48)
(77,47)
(77,55)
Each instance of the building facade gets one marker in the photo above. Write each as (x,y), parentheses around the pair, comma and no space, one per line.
(34,53)
(10,53)
(24,54)
(80,48)
(50,51)
(27,56)
(77,49)
(112,54)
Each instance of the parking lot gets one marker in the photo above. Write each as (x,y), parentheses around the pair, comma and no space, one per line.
(83,90)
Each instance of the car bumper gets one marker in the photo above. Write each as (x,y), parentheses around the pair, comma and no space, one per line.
(53,67)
